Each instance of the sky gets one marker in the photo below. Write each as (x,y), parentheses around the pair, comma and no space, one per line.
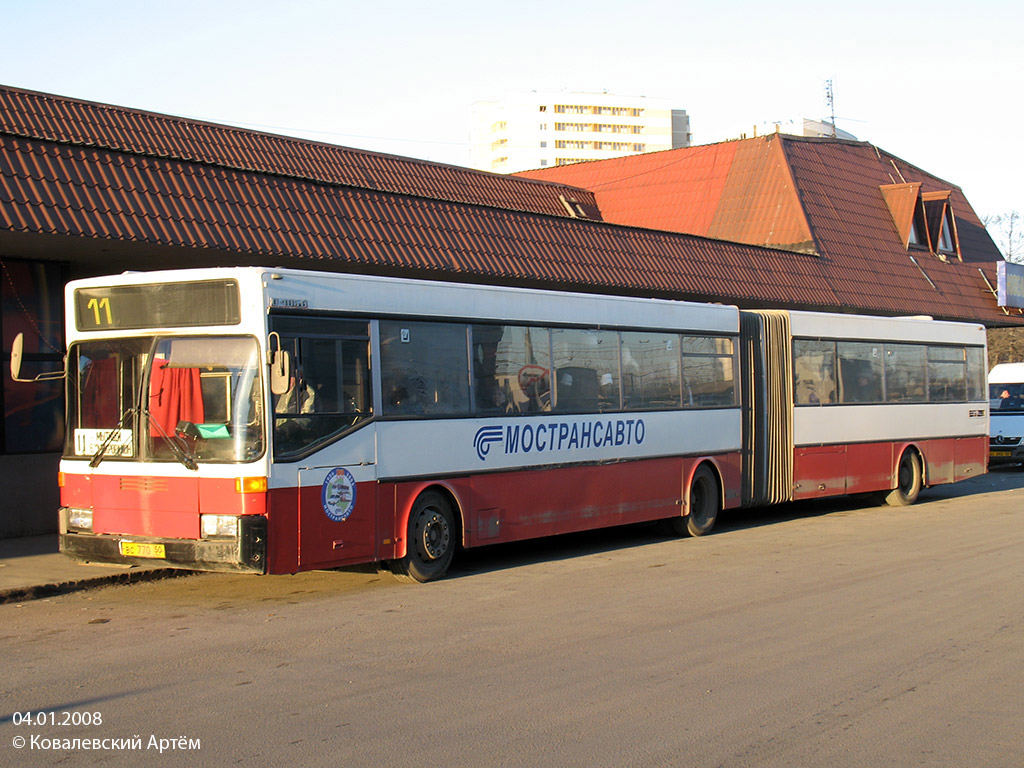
(939,84)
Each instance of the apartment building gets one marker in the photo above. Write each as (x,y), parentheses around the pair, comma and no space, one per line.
(548,129)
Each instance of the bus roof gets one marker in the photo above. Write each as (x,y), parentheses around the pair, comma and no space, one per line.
(870,327)
(307,290)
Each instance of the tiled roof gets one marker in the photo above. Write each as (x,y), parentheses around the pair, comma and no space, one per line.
(40,116)
(820,196)
(759,203)
(47,188)
(145,182)
(676,191)
(839,184)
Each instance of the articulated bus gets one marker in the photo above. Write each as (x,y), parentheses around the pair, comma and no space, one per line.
(277,420)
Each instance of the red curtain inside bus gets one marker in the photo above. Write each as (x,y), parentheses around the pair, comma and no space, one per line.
(175,394)
(100,388)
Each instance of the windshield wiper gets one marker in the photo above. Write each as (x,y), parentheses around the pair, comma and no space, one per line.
(181,451)
(102,450)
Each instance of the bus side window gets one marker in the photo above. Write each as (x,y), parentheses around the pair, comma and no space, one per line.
(947,374)
(814,365)
(650,370)
(329,390)
(906,373)
(511,366)
(976,377)
(586,364)
(708,375)
(424,368)
(860,372)
(577,389)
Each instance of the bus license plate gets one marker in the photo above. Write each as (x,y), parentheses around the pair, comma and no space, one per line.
(140,549)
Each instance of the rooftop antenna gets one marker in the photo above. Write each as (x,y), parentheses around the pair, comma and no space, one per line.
(831,101)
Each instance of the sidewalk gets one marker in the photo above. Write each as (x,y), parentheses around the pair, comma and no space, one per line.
(32,567)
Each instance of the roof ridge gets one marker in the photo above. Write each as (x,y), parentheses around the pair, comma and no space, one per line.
(822,139)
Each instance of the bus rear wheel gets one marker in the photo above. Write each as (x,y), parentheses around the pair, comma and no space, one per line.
(703,506)
(431,540)
(909,480)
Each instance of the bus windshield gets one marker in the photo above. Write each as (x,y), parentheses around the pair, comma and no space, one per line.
(186,399)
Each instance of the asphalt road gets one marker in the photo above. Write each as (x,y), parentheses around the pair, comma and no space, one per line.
(806,635)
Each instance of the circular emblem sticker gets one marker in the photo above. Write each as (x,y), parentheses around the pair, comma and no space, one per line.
(338,495)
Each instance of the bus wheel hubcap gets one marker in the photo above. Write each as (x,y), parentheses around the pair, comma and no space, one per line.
(698,503)
(435,536)
(906,474)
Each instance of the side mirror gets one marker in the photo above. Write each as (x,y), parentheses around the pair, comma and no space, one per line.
(17,349)
(280,371)
(18,353)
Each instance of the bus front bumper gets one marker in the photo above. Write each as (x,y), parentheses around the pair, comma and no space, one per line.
(246,552)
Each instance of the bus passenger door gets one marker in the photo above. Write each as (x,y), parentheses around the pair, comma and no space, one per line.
(325,417)
(337,515)
(338,502)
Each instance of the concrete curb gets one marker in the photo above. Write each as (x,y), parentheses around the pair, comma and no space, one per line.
(39,591)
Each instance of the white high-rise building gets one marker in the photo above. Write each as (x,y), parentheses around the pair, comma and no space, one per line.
(543,129)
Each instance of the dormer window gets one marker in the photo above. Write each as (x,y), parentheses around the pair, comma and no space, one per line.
(924,220)
(918,229)
(945,239)
(914,237)
(941,223)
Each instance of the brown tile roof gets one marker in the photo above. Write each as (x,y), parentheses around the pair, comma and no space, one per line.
(94,183)
(821,196)
(839,185)
(46,117)
(48,188)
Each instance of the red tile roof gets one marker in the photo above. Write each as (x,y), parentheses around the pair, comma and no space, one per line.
(147,180)
(647,190)
(820,196)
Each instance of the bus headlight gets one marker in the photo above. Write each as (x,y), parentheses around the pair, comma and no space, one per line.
(218,525)
(80,519)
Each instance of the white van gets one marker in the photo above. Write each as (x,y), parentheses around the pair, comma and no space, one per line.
(1006,406)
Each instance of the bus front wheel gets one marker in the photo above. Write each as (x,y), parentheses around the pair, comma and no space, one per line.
(909,480)
(431,540)
(703,506)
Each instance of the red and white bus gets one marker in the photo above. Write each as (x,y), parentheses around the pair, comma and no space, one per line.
(883,404)
(276,420)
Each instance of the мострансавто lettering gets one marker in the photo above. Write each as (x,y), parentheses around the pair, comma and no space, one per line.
(560,436)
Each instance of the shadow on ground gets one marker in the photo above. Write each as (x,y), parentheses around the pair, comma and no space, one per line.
(567,546)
